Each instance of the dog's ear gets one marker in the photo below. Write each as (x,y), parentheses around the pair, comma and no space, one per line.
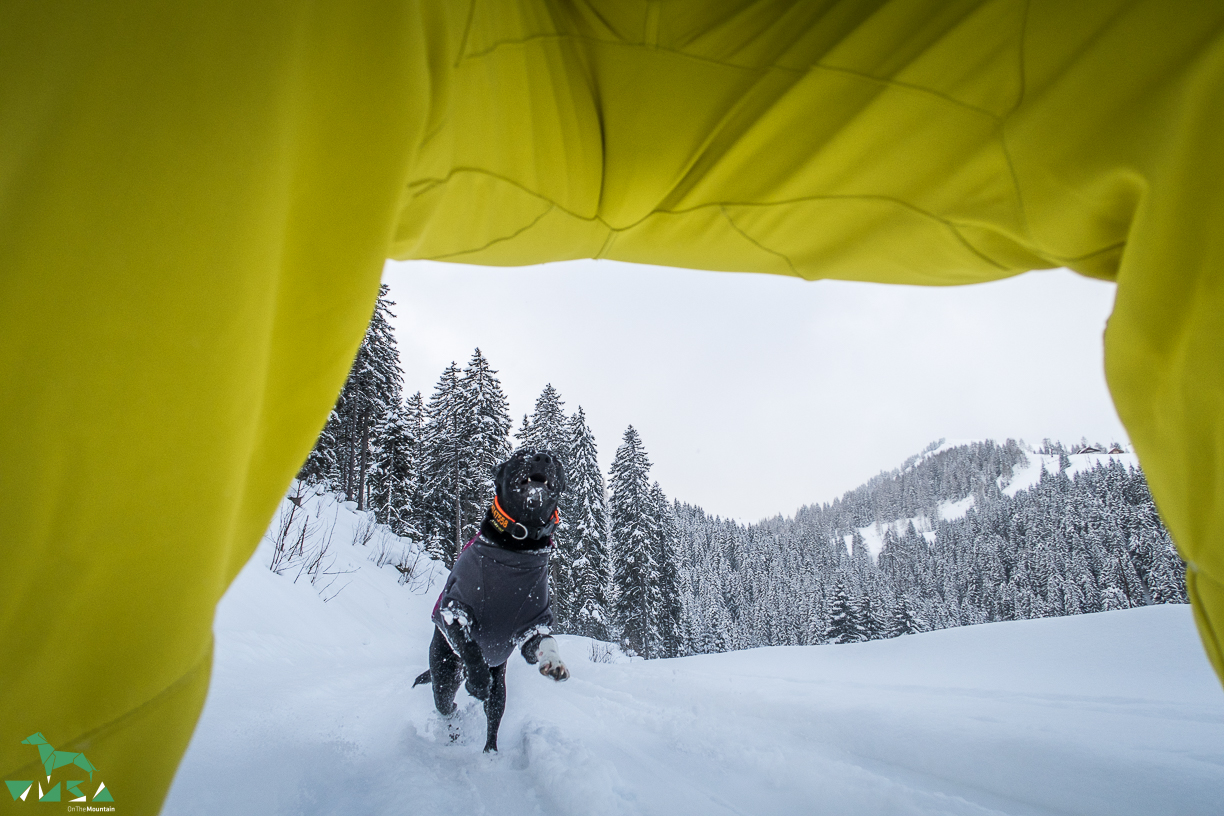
(498,472)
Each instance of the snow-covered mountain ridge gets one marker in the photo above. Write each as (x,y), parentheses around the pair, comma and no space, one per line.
(1022,477)
(960,534)
(311,712)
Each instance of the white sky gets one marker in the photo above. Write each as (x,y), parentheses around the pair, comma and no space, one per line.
(756,394)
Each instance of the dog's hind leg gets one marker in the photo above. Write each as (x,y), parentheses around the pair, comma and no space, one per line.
(446,673)
(495,706)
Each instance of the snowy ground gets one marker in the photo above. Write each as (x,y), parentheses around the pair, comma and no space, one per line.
(311,711)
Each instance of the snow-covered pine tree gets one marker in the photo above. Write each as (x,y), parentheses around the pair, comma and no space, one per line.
(634,570)
(666,587)
(375,388)
(904,621)
(873,622)
(321,467)
(395,479)
(390,479)
(485,429)
(349,444)
(413,490)
(465,437)
(521,433)
(585,514)
(844,615)
(442,448)
(548,429)
(870,623)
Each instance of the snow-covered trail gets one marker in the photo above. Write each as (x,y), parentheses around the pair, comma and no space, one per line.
(311,711)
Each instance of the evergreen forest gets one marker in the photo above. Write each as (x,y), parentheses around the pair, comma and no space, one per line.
(667,579)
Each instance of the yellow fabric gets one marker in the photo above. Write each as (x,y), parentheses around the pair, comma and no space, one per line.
(195,200)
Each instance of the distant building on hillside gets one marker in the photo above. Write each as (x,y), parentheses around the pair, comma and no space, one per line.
(1090,449)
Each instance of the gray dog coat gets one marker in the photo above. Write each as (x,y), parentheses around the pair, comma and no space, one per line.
(502,593)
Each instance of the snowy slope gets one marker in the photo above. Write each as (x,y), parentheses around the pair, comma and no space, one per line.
(311,711)
(1024,477)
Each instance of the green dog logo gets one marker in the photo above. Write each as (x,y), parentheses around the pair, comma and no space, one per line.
(52,759)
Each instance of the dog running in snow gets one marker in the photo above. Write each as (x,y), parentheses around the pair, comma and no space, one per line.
(496,597)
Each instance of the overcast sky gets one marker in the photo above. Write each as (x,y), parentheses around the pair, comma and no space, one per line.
(756,394)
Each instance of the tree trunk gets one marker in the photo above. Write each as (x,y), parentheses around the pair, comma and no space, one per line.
(645,625)
(458,508)
(365,461)
(348,470)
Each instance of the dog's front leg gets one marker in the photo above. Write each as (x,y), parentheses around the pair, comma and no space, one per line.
(495,706)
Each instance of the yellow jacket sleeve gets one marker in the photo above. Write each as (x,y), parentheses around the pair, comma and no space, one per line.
(196,199)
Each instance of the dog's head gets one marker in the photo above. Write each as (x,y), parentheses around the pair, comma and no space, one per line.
(529,484)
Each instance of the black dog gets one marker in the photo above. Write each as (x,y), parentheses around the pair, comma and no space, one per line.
(497,594)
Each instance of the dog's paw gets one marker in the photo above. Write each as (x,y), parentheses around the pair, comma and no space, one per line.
(549,657)
(556,671)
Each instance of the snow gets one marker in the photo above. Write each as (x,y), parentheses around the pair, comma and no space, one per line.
(873,534)
(311,711)
(1025,476)
(954,511)
(944,445)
